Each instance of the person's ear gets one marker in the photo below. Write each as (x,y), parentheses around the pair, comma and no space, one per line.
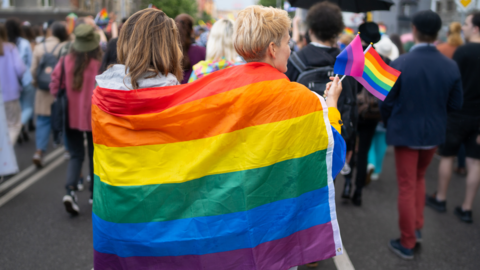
(272,49)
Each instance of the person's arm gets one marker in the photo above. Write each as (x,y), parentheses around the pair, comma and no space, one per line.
(55,77)
(18,64)
(332,92)
(114,30)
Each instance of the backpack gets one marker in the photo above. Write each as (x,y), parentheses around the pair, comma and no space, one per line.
(45,68)
(316,79)
(368,107)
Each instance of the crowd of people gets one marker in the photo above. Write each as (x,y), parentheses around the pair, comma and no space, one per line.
(434,107)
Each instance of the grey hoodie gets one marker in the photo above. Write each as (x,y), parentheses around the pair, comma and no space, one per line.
(114,78)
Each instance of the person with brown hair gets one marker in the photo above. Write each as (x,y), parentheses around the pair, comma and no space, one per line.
(192,53)
(76,73)
(140,63)
(453,41)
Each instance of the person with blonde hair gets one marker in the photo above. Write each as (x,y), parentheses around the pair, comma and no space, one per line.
(454,40)
(232,171)
(220,51)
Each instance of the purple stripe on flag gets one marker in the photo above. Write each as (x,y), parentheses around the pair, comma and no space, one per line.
(351,60)
(310,245)
(370,88)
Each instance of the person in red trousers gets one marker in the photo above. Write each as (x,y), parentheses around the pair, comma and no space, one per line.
(415,114)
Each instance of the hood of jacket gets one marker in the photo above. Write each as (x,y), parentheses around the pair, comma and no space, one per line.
(115,78)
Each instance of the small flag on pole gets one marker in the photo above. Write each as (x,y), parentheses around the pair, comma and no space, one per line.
(378,78)
(351,60)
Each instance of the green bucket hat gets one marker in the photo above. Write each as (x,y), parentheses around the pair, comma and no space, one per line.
(85,38)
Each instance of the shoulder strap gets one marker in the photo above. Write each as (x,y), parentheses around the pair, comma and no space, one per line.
(54,48)
(297,63)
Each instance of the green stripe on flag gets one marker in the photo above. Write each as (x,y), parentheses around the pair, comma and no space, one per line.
(377,80)
(211,195)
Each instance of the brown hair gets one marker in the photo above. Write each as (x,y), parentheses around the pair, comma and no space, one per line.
(82,59)
(185,28)
(454,34)
(3,37)
(149,42)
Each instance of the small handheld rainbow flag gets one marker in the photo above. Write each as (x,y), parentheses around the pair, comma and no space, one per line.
(351,60)
(348,31)
(103,14)
(378,78)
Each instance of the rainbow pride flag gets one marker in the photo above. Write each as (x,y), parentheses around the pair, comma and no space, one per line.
(103,14)
(232,171)
(350,61)
(378,78)
(348,31)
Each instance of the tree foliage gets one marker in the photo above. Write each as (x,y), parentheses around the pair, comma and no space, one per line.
(174,7)
(269,3)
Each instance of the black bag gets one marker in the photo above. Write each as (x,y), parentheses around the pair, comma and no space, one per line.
(368,107)
(59,117)
(45,68)
(316,79)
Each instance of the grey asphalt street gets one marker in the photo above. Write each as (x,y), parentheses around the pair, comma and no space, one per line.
(37,233)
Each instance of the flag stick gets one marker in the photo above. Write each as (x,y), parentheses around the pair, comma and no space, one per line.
(368,48)
(342,79)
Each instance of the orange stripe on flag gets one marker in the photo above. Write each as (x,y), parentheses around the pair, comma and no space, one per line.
(200,118)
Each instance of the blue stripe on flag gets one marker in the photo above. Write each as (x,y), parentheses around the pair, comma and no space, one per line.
(204,235)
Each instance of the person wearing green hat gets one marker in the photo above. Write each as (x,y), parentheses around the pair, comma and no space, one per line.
(76,72)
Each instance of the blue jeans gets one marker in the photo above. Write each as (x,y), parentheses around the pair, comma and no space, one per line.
(42,133)
(27,98)
(377,150)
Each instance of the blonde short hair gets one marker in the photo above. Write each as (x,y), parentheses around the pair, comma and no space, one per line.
(220,41)
(256,27)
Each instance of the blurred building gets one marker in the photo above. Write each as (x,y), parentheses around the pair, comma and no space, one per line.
(207,6)
(230,8)
(398,19)
(39,11)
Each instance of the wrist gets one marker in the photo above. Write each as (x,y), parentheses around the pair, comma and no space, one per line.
(332,102)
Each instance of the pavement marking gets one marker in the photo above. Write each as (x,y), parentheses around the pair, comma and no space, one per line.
(30,169)
(342,262)
(30,181)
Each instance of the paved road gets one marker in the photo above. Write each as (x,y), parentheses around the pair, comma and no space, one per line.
(36,232)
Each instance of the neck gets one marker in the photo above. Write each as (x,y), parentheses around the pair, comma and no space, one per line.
(324,43)
(474,39)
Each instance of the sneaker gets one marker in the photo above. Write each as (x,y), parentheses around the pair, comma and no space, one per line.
(402,252)
(375,176)
(90,201)
(70,202)
(465,216)
(346,169)
(439,206)
(418,235)
(88,178)
(370,170)
(38,159)
(80,184)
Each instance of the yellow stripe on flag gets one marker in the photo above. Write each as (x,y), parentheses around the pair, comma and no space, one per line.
(245,149)
(379,75)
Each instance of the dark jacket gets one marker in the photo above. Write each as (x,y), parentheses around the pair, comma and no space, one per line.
(313,56)
(415,111)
